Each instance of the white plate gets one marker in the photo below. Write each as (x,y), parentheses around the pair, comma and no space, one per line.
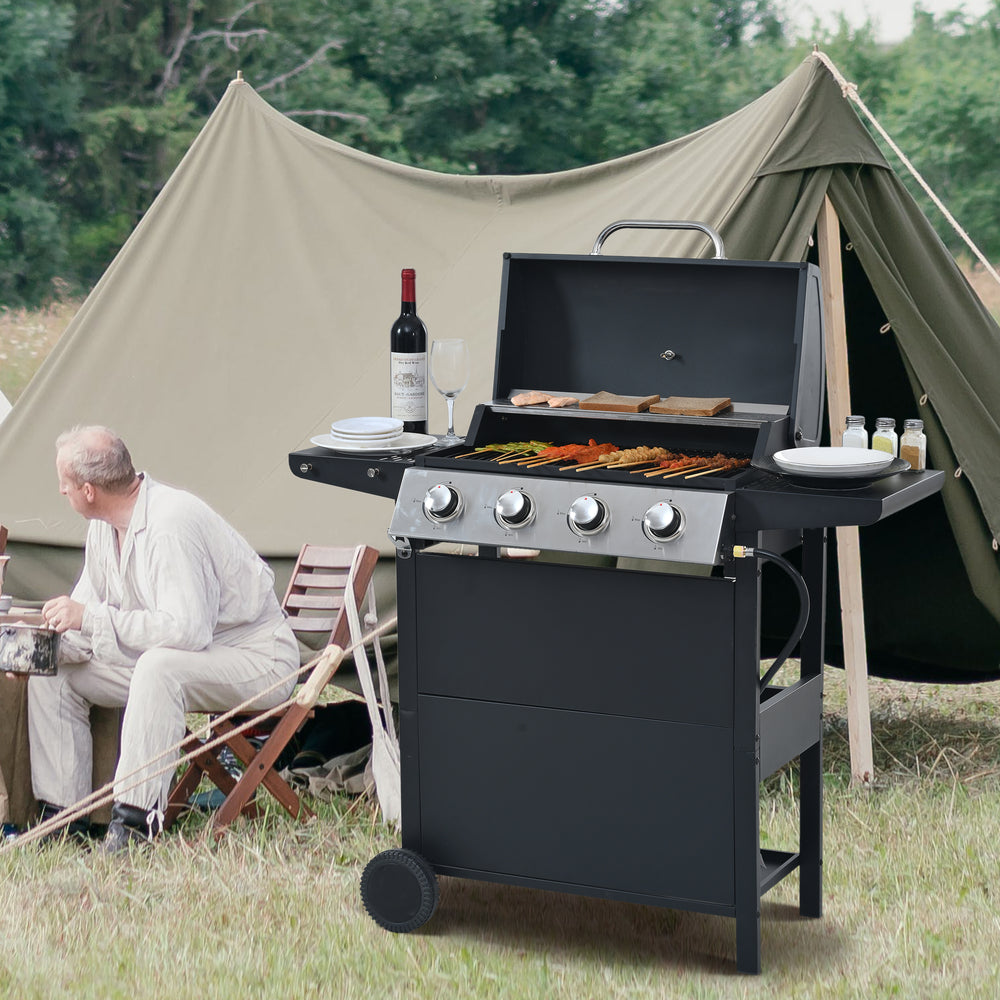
(831,461)
(366,438)
(367,426)
(829,470)
(405,442)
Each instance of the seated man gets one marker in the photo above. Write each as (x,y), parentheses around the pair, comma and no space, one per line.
(174,612)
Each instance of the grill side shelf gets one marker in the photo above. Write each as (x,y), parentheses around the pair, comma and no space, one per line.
(771,502)
(378,475)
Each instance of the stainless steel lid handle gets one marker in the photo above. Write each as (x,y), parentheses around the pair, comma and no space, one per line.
(720,253)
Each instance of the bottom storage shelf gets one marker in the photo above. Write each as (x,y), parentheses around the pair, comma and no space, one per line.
(775,865)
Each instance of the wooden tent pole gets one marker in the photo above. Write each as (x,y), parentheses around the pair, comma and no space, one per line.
(852,609)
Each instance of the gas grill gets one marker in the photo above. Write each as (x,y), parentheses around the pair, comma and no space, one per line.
(592,719)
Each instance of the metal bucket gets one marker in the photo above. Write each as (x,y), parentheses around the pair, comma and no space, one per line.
(27,647)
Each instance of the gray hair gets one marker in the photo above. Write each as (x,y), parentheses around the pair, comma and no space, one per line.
(97,455)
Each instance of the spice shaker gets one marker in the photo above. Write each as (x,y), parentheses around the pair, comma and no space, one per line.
(855,435)
(913,444)
(884,438)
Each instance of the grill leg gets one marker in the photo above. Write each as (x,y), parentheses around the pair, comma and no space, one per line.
(814,544)
(747,848)
(746,761)
(811,832)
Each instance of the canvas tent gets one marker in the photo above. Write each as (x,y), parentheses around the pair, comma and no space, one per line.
(251,307)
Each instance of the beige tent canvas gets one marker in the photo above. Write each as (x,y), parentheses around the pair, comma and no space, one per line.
(251,308)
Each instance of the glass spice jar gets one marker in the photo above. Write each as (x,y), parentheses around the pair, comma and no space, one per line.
(913,444)
(855,435)
(885,438)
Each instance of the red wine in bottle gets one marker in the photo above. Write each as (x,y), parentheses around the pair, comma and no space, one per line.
(408,361)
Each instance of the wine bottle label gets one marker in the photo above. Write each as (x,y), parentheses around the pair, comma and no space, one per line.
(408,386)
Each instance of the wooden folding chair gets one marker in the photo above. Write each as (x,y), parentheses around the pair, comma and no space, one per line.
(314,602)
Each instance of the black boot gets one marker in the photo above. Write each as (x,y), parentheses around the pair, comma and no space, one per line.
(128,826)
(77,831)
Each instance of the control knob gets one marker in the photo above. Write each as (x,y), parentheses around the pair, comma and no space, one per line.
(587,515)
(662,522)
(514,509)
(442,503)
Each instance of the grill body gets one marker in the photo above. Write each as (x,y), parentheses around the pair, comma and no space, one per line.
(590,720)
(600,731)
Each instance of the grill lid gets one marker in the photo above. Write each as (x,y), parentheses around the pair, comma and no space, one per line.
(749,330)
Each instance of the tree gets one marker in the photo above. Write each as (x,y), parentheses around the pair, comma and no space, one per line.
(944,112)
(138,116)
(488,86)
(37,112)
(155,69)
(682,66)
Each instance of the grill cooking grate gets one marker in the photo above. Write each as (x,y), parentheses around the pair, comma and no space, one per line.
(458,457)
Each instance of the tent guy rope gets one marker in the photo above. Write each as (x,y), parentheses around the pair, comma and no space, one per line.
(104,795)
(850,92)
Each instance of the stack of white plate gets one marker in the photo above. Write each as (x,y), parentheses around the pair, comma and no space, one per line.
(370,431)
(369,435)
(833,462)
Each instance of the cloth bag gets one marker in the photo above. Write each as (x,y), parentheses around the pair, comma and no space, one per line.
(347,772)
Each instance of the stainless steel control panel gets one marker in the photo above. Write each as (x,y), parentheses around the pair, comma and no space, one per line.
(644,522)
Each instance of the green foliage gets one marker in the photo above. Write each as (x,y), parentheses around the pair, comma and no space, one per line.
(491,86)
(681,66)
(944,112)
(37,106)
(136,119)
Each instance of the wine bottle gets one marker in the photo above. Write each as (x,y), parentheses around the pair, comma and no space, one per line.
(408,361)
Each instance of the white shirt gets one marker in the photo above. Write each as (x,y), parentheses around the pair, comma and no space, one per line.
(184,579)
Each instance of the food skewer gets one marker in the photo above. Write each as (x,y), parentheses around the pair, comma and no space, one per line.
(691,463)
(669,473)
(628,465)
(706,472)
(615,465)
(508,449)
(627,457)
(511,456)
(587,463)
(724,466)
(591,465)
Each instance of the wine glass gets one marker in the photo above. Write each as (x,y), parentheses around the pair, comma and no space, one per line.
(449,373)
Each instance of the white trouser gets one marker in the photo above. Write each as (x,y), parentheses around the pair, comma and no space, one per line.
(156,692)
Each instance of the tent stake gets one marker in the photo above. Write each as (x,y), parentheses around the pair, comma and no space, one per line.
(852,609)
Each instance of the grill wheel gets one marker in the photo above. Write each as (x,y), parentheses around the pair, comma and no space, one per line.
(400,890)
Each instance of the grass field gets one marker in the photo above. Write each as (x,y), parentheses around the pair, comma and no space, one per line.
(985,285)
(26,337)
(273,911)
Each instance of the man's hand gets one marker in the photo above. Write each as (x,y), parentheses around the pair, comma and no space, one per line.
(63,614)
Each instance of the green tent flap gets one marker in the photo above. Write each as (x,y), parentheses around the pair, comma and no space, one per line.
(251,307)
